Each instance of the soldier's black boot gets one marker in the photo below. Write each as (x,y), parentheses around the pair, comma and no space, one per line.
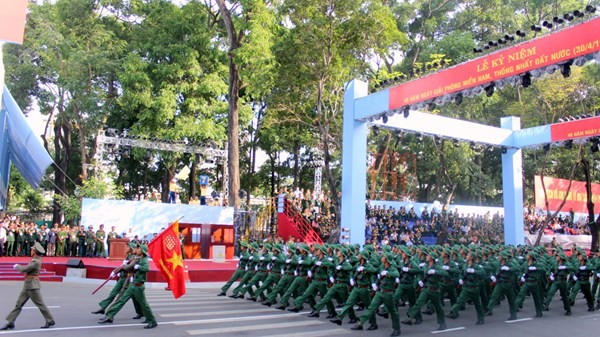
(382,314)
(539,314)
(281,307)
(479,322)
(267,303)
(358,326)
(105,320)
(330,316)
(294,309)
(138,316)
(336,320)
(101,311)
(8,326)
(512,318)
(222,293)
(395,333)
(151,325)
(48,324)
(407,321)
(452,315)
(568,313)
(598,305)
(353,320)
(313,314)
(372,327)
(487,313)
(442,327)
(418,321)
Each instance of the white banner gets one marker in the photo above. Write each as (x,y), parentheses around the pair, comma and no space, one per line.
(564,240)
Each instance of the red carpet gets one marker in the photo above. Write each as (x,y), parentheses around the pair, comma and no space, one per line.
(100,268)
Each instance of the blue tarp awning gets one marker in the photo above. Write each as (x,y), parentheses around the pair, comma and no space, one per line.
(19,145)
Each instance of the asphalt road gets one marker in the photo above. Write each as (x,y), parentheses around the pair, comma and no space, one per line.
(201,313)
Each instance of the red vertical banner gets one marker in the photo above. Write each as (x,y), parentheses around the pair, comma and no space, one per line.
(12,20)
(165,251)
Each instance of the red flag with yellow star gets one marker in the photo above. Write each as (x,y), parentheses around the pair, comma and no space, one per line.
(165,250)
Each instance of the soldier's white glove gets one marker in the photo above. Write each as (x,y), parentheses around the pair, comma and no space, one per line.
(295,273)
(131,279)
(421,284)
(251,257)
(330,259)
(522,279)
(359,269)
(255,268)
(562,267)
(288,260)
(405,269)
(136,267)
(124,262)
(583,268)
(493,278)
(575,277)
(15,266)
(318,263)
(532,268)
(273,258)
(598,275)
(352,282)
(384,272)
(461,282)
(300,261)
(282,271)
(504,268)
(262,258)
(374,286)
(331,279)
(422,264)
(445,267)
(431,272)
(470,270)
(398,280)
(551,277)
(112,274)
(310,274)
(338,267)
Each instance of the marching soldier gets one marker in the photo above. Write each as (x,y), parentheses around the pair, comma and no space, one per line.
(299,285)
(339,289)
(384,293)
(135,290)
(409,271)
(274,271)
(249,270)
(505,286)
(581,276)
(318,284)
(241,268)
(287,277)
(31,289)
(470,282)
(260,269)
(559,277)
(533,283)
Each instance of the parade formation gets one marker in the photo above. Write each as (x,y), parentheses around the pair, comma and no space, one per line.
(377,280)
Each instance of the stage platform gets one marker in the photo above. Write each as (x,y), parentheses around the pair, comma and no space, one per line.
(54,268)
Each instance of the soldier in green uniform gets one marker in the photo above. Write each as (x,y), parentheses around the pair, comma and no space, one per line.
(122,283)
(505,286)
(581,276)
(409,271)
(31,289)
(100,236)
(73,241)
(339,288)
(81,247)
(470,282)
(364,274)
(260,273)
(301,263)
(430,292)
(533,283)
(448,283)
(287,277)
(249,270)
(319,277)
(90,239)
(274,271)
(136,290)
(10,240)
(241,268)
(20,239)
(384,293)
(61,241)
(559,277)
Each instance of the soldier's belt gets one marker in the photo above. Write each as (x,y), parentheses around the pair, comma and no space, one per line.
(532,281)
(292,274)
(321,279)
(364,287)
(139,284)
(432,288)
(29,277)
(387,291)
(472,286)
(341,282)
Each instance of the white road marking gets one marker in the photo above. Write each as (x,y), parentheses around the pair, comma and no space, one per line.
(214,313)
(49,307)
(322,333)
(519,320)
(448,330)
(253,328)
(235,319)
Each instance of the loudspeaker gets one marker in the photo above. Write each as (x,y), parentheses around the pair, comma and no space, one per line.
(75,263)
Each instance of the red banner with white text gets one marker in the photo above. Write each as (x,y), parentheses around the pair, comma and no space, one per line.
(556,189)
(562,45)
(588,127)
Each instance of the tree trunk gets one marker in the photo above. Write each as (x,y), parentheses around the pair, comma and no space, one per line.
(296,163)
(233,150)
(192,177)
(592,222)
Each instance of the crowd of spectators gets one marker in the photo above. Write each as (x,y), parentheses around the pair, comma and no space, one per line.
(406,226)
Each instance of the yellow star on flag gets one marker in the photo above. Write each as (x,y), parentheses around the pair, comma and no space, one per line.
(175,261)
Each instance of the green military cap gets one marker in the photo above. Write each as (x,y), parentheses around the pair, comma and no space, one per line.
(303,246)
(389,257)
(433,255)
(369,247)
(562,256)
(406,251)
(387,249)
(144,249)
(533,255)
(38,248)
(278,247)
(132,245)
(505,254)
(267,246)
(254,245)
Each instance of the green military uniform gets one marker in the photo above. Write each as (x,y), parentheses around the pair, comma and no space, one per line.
(364,274)
(274,269)
(299,284)
(241,269)
(10,242)
(81,246)
(61,242)
(409,271)
(260,274)
(505,286)
(559,277)
(430,292)
(31,290)
(340,279)
(533,283)
(249,270)
(135,290)
(89,242)
(581,277)
(100,236)
(470,282)
(287,277)
(384,294)
(73,241)
(318,284)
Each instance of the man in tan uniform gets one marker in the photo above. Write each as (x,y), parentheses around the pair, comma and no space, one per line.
(31,289)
